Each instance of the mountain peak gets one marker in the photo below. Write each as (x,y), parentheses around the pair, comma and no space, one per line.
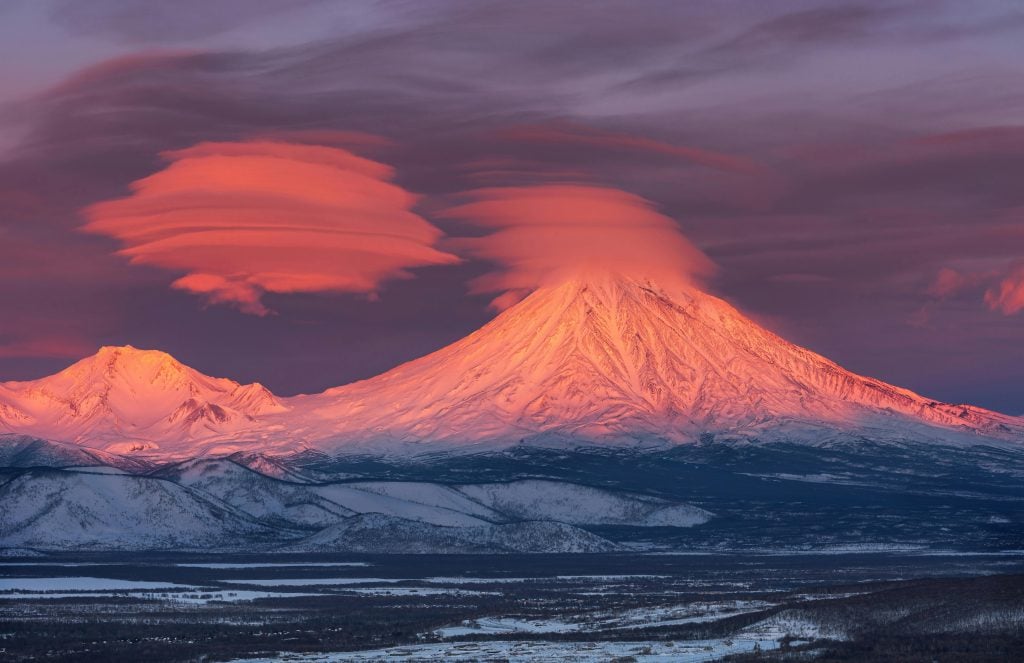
(130,351)
(144,399)
(131,354)
(605,358)
(141,371)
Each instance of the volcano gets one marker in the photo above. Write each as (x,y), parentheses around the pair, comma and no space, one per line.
(597,360)
(123,399)
(614,359)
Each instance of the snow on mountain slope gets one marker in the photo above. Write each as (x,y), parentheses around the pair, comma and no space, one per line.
(268,466)
(601,360)
(365,502)
(431,494)
(124,400)
(298,504)
(216,504)
(56,509)
(10,414)
(388,534)
(582,505)
(544,500)
(282,503)
(26,451)
(267,499)
(616,360)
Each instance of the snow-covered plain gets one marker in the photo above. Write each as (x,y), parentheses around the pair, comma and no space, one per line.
(467,580)
(506,625)
(528,651)
(414,591)
(310,582)
(69,584)
(542,610)
(189,595)
(268,565)
(691,613)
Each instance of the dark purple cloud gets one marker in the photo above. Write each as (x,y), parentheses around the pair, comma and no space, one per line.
(145,22)
(832,158)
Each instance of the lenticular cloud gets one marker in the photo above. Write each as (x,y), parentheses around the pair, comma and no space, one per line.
(543,234)
(242,219)
(1008,295)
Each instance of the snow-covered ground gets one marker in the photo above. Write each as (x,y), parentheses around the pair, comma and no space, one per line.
(190,595)
(517,651)
(690,613)
(73,584)
(457,580)
(505,625)
(270,565)
(309,582)
(415,591)
(792,623)
(6,564)
(91,587)
(358,586)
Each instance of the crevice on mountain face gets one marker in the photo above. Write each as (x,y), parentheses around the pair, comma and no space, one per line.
(604,360)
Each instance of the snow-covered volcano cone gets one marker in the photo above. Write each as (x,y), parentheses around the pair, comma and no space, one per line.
(612,359)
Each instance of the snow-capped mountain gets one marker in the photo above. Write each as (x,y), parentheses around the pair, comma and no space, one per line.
(614,359)
(24,451)
(605,360)
(122,399)
(218,504)
(55,509)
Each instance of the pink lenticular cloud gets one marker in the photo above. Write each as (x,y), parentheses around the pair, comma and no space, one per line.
(949,282)
(546,233)
(243,219)
(1008,295)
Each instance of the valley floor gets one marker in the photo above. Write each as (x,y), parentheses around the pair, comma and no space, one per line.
(591,607)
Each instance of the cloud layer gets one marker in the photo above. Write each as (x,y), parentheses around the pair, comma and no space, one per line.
(1008,295)
(540,234)
(244,219)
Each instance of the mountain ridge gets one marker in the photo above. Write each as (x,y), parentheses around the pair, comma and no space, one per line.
(605,360)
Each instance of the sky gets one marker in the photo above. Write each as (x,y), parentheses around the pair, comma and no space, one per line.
(306,192)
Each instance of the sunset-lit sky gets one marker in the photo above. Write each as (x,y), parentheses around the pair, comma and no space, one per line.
(308,192)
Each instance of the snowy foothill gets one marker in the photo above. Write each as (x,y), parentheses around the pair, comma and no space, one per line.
(217,504)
